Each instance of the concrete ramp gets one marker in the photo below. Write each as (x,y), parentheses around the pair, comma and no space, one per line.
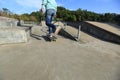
(102,30)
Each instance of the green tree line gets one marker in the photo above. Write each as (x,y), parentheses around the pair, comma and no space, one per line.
(66,15)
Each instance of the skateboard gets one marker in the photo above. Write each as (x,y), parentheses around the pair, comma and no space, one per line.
(51,38)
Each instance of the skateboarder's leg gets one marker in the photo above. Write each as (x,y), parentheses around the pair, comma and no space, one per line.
(57,30)
(49,18)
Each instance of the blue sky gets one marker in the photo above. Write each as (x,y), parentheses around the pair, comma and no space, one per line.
(28,6)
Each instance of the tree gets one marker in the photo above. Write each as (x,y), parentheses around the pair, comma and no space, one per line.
(6,12)
(65,15)
(25,17)
(37,15)
(33,18)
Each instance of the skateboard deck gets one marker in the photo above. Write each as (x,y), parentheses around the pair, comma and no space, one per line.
(51,38)
(55,33)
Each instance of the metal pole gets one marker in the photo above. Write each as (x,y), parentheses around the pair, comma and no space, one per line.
(65,25)
(79,29)
(11,24)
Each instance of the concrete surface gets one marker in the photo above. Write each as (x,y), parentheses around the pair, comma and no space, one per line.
(64,59)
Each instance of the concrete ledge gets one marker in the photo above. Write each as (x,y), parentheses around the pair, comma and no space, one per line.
(14,35)
(7,22)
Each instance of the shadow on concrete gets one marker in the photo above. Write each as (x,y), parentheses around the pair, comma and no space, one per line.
(46,38)
(35,36)
(114,25)
(118,72)
(66,35)
(30,32)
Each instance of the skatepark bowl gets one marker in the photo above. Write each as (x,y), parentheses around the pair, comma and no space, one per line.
(37,59)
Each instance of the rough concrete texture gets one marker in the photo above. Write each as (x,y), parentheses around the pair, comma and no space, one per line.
(7,22)
(64,59)
(11,33)
(15,35)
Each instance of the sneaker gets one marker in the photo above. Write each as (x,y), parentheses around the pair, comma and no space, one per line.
(54,36)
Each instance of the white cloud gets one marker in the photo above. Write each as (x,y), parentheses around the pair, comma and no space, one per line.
(29,3)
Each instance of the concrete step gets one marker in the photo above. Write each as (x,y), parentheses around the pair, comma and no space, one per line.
(7,22)
(14,35)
